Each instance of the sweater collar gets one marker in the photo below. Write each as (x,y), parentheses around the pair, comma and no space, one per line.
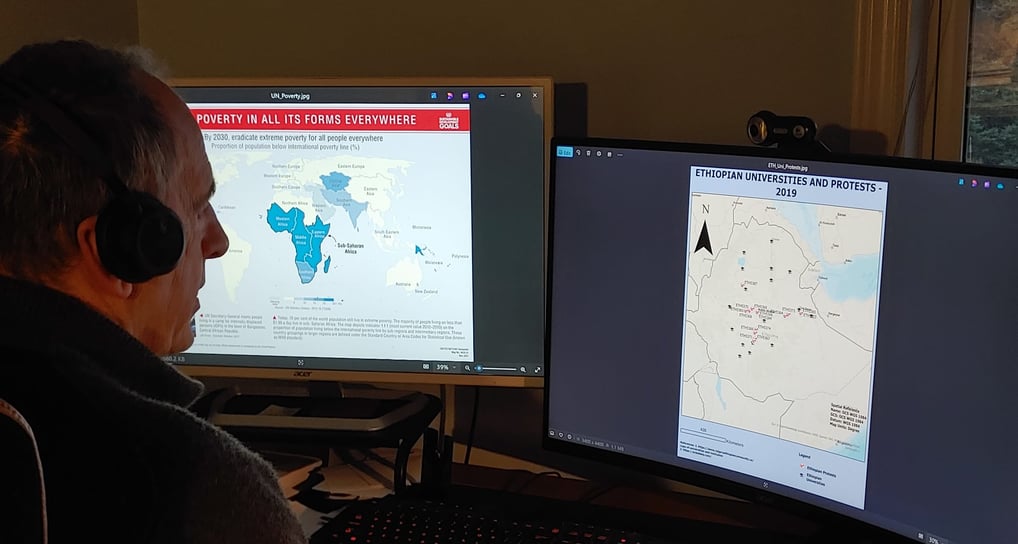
(37,316)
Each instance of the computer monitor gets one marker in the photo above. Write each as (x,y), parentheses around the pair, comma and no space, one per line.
(381,230)
(833,335)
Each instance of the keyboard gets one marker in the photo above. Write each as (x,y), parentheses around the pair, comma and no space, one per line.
(514,519)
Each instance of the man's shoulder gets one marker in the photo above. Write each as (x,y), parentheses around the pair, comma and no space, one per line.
(67,396)
(32,379)
(154,461)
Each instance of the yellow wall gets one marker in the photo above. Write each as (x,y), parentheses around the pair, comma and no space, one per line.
(662,69)
(655,68)
(109,22)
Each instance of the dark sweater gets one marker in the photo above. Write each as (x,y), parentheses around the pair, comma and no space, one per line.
(124,459)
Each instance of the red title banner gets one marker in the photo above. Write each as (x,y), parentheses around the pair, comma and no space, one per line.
(373,120)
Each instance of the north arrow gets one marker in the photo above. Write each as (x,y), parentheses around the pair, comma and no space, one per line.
(704,241)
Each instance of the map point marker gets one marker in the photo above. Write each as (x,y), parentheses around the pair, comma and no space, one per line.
(704,241)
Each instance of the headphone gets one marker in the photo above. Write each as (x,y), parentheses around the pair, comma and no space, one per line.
(137,236)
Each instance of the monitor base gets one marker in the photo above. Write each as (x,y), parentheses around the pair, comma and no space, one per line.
(368,410)
(361,418)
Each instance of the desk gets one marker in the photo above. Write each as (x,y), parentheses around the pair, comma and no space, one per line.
(367,480)
(660,502)
(362,476)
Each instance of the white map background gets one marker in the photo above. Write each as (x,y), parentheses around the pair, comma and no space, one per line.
(781,319)
(415,262)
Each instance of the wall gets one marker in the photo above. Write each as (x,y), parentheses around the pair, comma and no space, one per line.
(656,69)
(110,22)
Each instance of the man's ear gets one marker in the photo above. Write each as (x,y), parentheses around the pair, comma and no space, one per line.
(91,267)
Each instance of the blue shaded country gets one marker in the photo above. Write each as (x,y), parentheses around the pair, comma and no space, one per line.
(305,271)
(335,181)
(307,239)
(325,267)
(854,280)
(281,221)
(335,192)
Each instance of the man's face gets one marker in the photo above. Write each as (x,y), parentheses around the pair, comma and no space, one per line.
(163,307)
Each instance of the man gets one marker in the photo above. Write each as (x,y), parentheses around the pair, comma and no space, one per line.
(98,281)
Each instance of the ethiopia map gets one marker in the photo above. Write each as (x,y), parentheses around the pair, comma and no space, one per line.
(782,288)
(781,315)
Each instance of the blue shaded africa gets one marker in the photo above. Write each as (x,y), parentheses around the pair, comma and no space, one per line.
(335,192)
(307,239)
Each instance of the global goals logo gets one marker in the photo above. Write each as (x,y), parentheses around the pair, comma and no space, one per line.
(449,122)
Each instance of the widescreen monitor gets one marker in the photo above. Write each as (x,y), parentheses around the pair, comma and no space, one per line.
(833,335)
(381,230)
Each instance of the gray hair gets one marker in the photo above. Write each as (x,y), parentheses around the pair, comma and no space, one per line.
(47,188)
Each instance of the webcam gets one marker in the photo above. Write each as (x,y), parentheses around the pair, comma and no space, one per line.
(766,128)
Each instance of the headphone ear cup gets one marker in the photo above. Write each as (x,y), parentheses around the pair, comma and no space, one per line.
(138,237)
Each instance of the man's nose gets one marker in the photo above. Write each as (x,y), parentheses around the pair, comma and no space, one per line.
(216,242)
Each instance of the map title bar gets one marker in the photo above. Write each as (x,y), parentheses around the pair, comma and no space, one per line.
(342,119)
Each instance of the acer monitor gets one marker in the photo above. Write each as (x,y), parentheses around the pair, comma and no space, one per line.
(381,230)
(833,335)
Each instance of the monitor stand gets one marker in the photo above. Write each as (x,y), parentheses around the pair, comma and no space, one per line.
(331,415)
(328,406)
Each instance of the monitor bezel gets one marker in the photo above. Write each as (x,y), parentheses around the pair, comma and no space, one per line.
(384,377)
(831,522)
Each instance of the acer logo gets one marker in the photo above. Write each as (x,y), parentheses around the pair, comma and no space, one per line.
(302,373)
